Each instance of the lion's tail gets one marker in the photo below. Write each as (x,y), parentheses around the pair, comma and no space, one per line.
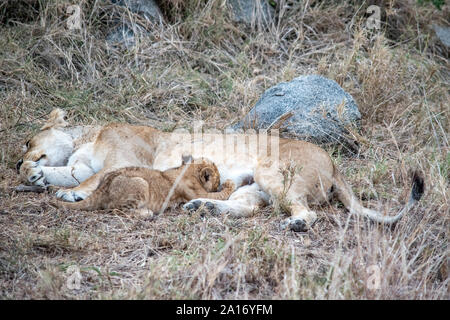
(346,195)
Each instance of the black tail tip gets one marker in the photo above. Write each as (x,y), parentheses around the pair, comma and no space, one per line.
(418,185)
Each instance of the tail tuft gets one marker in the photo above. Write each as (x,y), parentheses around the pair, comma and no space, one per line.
(418,186)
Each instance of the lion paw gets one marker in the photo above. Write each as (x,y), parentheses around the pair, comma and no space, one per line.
(228,185)
(71,195)
(145,214)
(244,180)
(203,206)
(33,173)
(294,224)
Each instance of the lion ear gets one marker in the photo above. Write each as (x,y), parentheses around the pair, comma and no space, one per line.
(185,159)
(205,174)
(55,120)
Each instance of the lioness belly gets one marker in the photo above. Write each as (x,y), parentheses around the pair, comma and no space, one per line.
(232,160)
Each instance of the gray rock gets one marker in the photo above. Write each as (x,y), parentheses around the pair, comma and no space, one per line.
(125,33)
(146,8)
(251,11)
(320,110)
(443,33)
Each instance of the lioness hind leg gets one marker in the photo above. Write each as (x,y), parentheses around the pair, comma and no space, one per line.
(292,192)
(302,218)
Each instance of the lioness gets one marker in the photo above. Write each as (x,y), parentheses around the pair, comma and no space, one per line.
(145,191)
(78,158)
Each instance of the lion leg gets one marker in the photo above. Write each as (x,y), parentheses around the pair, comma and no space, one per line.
(68,176)
(144,213)
(242,203)
(86,187)
(76,171)
(290,188)
(302,218)
(83,190)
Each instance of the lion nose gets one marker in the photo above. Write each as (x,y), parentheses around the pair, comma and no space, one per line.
(18,165)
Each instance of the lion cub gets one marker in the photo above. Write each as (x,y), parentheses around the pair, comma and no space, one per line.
(145,190)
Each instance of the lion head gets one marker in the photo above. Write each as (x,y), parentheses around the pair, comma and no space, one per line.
(50,146)
(206,172)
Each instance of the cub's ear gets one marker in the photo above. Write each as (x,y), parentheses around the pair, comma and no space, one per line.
(206,174)
(55,120)
(185,159)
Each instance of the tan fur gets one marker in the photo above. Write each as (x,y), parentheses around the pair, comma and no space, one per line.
(121,145)
(56,120)
(145,190)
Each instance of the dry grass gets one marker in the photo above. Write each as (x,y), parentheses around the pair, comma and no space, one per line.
(203,66)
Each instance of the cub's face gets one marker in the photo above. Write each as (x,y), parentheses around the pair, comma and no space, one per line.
(208,174)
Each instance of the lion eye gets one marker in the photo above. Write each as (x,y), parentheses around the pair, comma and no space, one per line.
(27,143)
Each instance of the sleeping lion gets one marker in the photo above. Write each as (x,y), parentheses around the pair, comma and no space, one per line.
(145,191)
(77,158)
